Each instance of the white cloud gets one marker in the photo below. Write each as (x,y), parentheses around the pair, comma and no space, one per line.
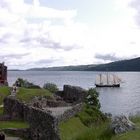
(30,29)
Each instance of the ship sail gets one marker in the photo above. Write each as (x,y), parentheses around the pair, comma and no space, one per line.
(107,80)
(98,79)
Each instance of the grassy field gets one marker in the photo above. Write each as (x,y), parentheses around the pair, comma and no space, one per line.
(26,95)
(13,124)
(23,94)
(74,129)
(4,91)
(71,128)
(1,110)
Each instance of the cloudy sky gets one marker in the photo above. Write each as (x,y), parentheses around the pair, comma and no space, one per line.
(45,33)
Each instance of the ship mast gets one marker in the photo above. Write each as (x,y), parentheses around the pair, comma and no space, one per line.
(107,79)
(100,79)
(114,78)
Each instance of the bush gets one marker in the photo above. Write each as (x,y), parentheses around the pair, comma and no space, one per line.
(26,84)
(51,87)
(91,113)
(92,99)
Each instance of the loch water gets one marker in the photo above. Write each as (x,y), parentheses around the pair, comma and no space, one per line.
(123,100)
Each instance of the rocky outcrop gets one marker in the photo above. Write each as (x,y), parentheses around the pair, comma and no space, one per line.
(121,124)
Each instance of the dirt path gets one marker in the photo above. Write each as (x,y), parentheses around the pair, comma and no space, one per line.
(12,138)
(56,111)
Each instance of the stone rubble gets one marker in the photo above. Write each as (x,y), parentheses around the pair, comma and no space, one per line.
(121,124)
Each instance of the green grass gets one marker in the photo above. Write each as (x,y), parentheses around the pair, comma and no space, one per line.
(74,129)
(13,124)
(26,95)
(100,132)
(71,128)
(4,91)
(23,94)
(136,119)
(1,110)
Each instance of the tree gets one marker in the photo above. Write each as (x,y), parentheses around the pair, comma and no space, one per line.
(92,99)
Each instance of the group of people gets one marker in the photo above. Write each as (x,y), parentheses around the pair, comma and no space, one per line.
(15,88)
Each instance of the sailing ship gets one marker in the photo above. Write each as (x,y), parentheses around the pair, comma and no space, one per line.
(107,80)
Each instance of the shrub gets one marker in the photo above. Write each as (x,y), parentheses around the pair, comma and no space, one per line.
(26,84)
(92,99)
(51,87)
(91,113)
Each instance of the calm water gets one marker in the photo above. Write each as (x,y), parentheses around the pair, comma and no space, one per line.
(123,100)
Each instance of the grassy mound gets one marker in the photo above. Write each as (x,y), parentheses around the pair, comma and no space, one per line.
(74,129)
(71,128)
(13,124)
(25,94)
(1,110)
(4,91)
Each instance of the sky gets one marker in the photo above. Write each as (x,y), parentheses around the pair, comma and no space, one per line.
(47,33)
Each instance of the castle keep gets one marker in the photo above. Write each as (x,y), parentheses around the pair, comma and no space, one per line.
(3,74)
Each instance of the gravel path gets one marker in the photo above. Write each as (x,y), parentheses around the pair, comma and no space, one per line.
(12,138)
(56,111)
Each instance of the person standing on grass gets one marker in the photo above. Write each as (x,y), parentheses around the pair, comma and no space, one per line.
(14,89)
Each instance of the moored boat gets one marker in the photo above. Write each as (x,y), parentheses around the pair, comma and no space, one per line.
(107,80)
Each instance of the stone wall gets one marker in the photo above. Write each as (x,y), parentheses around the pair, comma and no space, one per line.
(44,101)
(13,108)
(74,94)
(22,132)
(70,112)
(43,126)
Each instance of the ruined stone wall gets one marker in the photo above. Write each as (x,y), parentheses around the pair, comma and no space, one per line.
(74,94)
(43,126)
(13,108)
(70,112)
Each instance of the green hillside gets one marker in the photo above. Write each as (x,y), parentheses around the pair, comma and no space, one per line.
(123,65)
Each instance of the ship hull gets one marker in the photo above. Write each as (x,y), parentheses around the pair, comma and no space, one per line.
(114,85)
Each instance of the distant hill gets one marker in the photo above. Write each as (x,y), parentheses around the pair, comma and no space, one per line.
(14,70)
(64,68)
(123,65)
